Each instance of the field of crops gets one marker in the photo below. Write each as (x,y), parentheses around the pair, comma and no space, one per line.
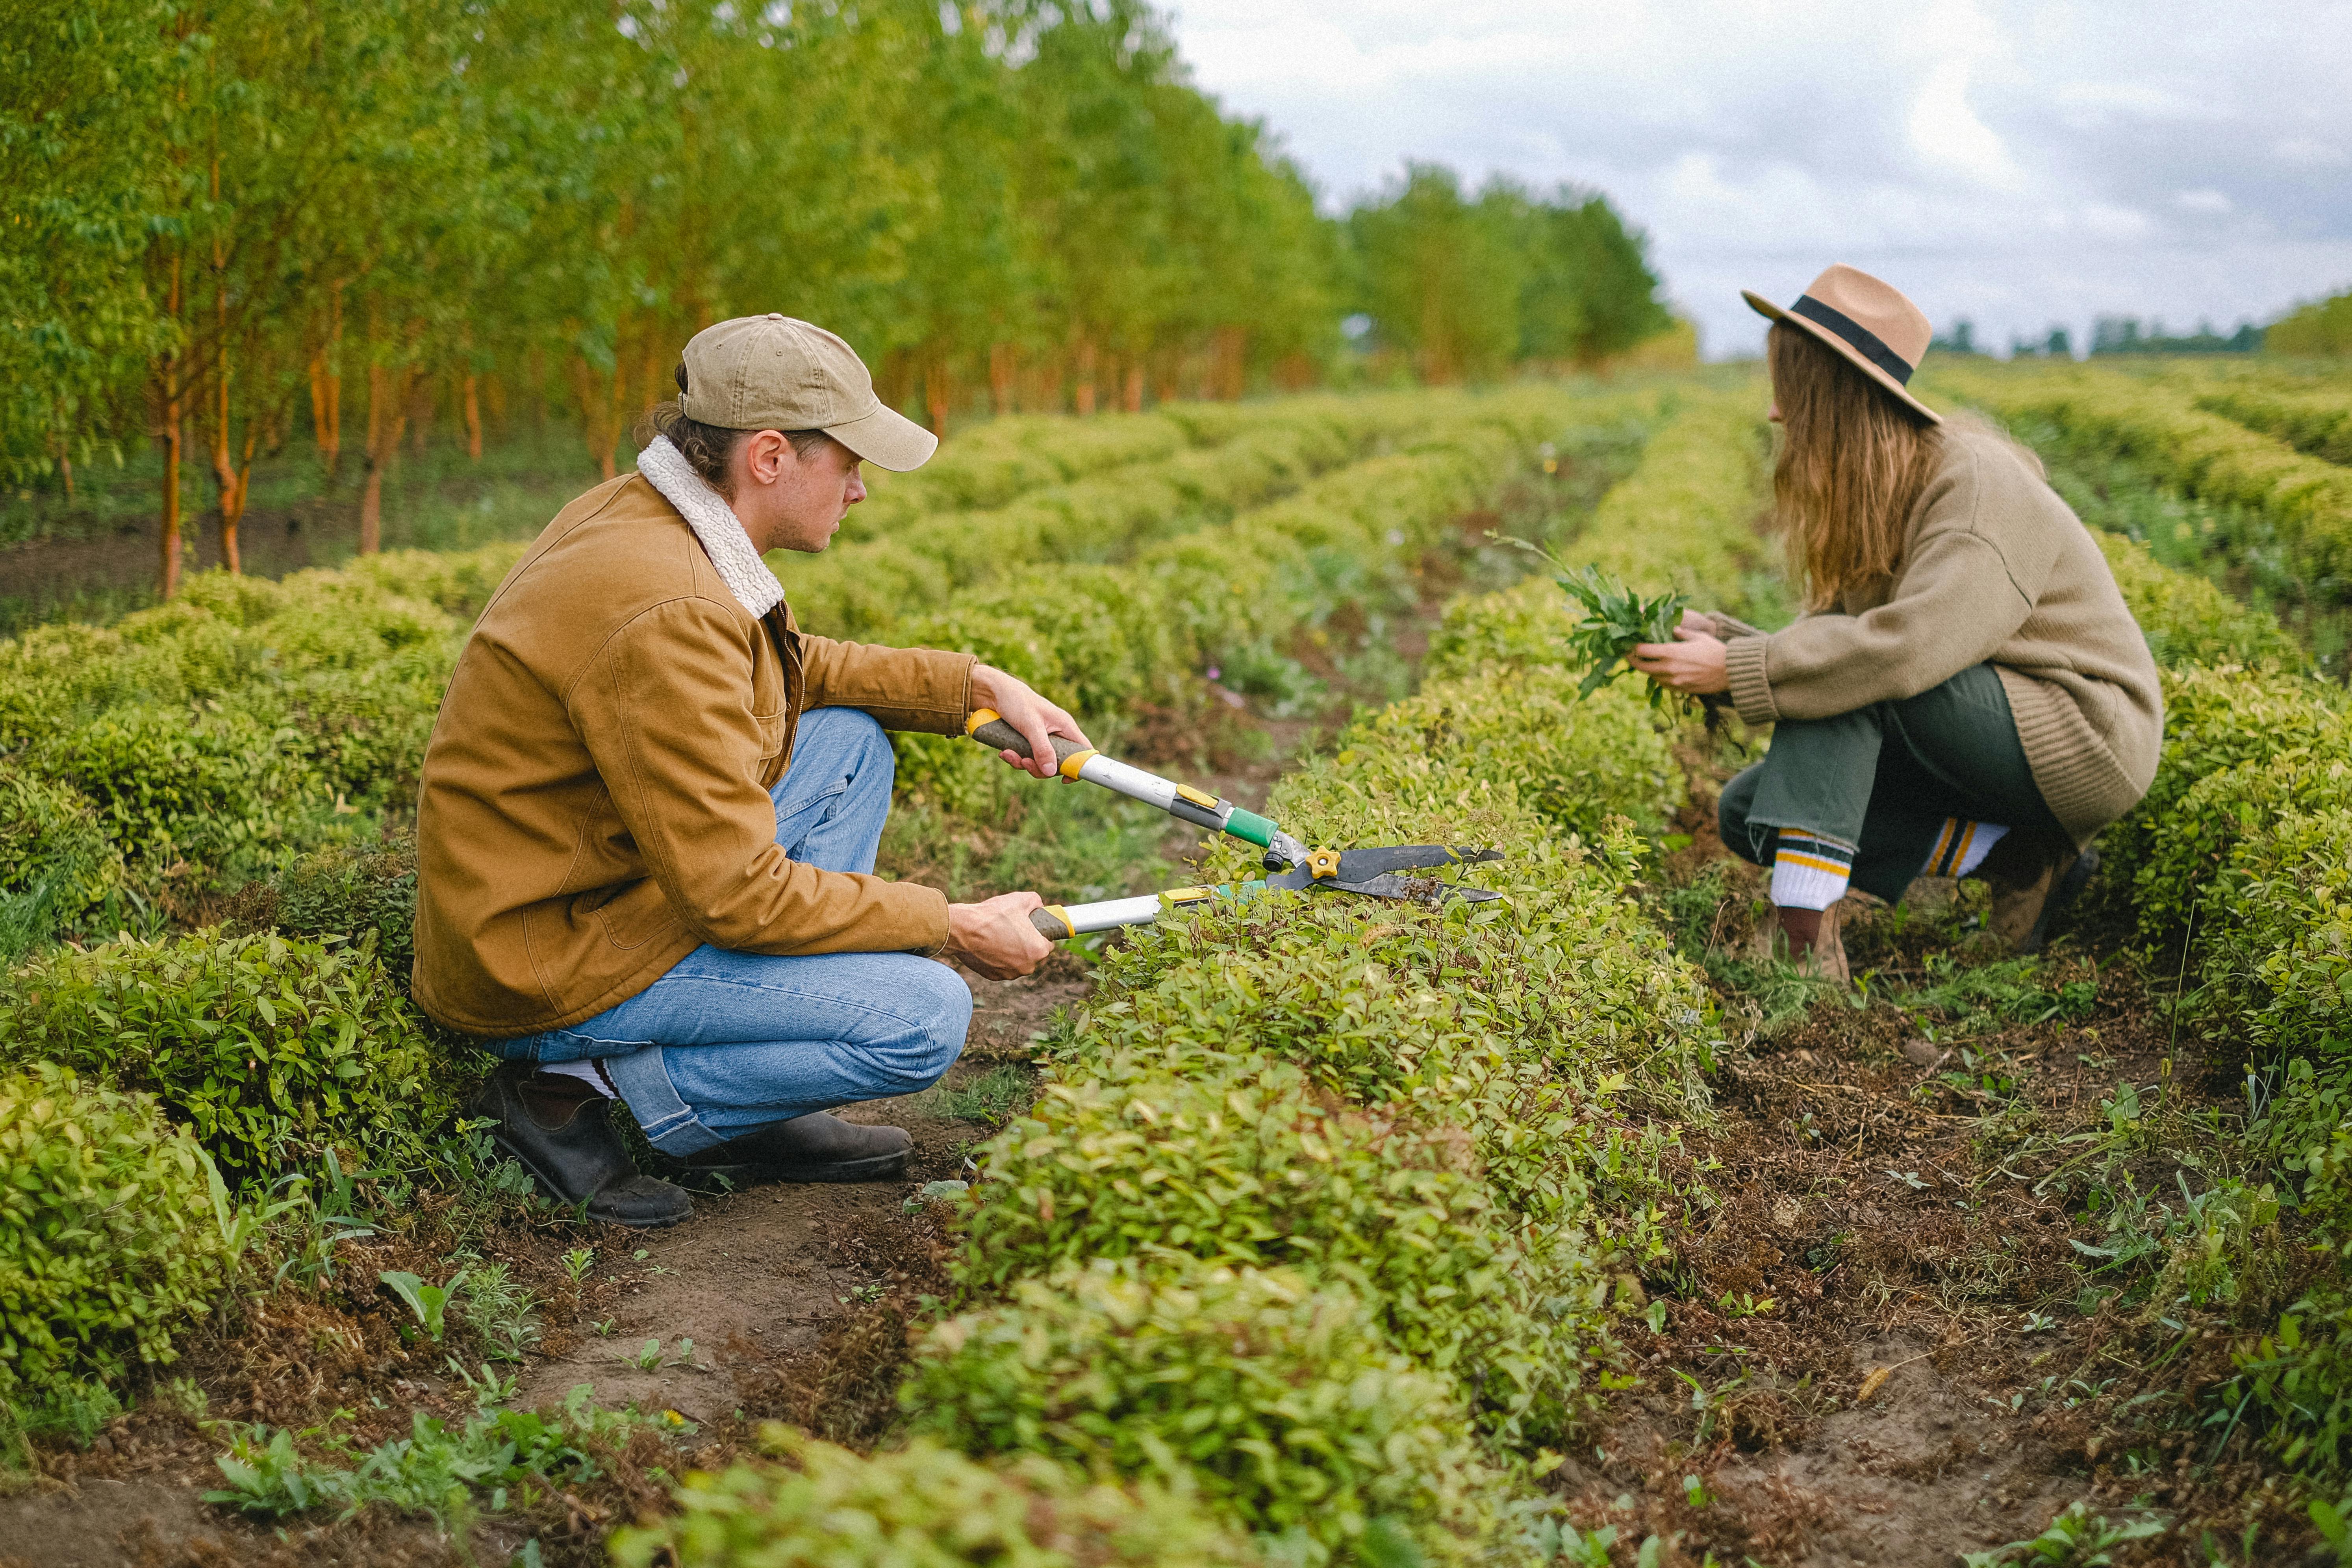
(1546,1228)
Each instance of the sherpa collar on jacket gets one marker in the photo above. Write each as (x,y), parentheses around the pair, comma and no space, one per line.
(715,523)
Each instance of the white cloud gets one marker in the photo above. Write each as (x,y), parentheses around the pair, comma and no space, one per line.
(2020,161)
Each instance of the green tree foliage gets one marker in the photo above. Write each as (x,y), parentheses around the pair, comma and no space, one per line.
(1467,287)
(228,218)
(2321,328)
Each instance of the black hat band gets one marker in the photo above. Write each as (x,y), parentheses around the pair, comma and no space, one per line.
(1861,338)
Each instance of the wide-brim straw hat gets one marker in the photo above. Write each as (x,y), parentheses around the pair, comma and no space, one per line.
(1879,330)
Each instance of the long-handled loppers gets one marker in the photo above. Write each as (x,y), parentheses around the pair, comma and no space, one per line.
(1374,873)
(1180,801)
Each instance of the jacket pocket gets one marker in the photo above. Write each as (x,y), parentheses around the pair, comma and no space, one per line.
(631,915)
(774,728)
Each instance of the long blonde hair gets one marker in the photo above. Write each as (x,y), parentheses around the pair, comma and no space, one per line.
(1852,462)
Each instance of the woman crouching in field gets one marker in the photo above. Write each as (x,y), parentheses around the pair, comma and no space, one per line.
(1966,694)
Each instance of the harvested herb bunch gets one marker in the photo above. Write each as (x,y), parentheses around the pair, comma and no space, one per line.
(1616,620)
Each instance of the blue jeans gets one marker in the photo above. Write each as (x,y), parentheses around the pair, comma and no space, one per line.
(727,1041)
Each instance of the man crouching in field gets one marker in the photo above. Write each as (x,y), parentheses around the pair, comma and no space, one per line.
(650,807)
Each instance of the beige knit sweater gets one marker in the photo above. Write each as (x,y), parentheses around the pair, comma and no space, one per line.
(1994,567)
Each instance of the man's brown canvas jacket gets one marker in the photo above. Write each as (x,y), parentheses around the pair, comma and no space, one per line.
(595,802)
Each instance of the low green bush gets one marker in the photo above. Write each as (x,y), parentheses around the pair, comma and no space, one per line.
(1574,761)
(1249,1166)
(2279,970)
(108,1242)
(271,1050)
(2306,501)
(2188,619)
(2184,881)
(924,1506)
(220,793)
(1280,1401)
(345,892)
(57,865)
(2215,720)
(1525,628)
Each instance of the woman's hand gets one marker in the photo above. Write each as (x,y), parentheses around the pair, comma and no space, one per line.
(1021,707)
(1693,662)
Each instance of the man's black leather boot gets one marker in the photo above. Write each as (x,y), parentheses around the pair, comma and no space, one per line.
(554,1127)
(812,1148)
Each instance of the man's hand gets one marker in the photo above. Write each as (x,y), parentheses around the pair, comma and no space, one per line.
(1035,718)
(1693,662)
(995,937)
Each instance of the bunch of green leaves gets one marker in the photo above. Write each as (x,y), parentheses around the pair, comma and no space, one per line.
(1615,621)
(271,1050)
(1282,1403)
(108,1244)
(926,1505)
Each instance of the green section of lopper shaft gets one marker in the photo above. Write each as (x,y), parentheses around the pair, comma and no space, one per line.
(1250,826)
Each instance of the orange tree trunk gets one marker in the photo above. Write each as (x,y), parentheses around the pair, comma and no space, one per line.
(388,393)
(1004,373)
(938,393)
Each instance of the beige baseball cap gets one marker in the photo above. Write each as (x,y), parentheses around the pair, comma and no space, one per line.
(777,373)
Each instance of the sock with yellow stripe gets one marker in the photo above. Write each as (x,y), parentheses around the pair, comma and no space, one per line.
(1962,847)
(1809,871)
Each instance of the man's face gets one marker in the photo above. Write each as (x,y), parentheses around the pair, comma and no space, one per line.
(790,502)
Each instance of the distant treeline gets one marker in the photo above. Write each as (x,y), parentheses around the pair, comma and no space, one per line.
(223,222)
(2111,336)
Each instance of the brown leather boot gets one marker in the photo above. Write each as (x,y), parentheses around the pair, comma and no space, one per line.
(1823,960)
(554,1127)
(2032,887)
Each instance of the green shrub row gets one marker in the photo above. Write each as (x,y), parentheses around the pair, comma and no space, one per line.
(924,1506)
(2189,619)
(2318,422)
(2308,501)
(990,464)
(271,1050)
(868,583)
(1330,1203)
(1115,638)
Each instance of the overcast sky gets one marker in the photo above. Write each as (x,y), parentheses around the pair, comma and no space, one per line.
(2020,164)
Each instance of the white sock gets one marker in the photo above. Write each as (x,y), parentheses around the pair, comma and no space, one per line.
(590,1072)
(1808,870)
(1961,846)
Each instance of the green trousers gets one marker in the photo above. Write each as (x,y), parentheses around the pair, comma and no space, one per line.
(1884,777)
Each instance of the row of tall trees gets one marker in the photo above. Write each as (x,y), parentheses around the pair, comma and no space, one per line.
(1468,285)
(225,221)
